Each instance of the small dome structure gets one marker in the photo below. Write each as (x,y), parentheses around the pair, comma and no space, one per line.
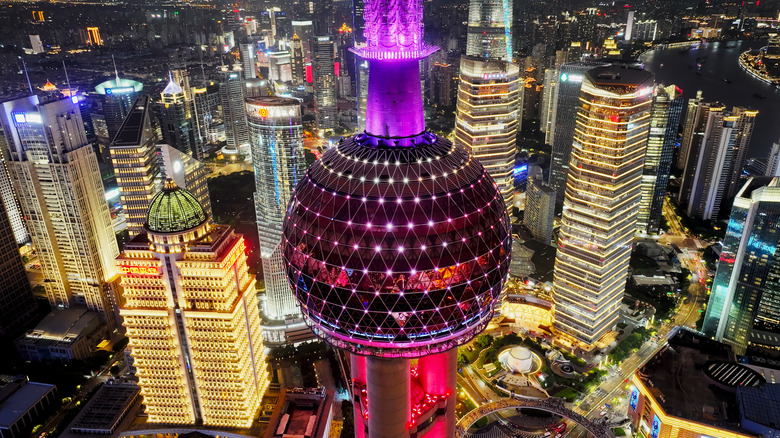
(174,210)
(520,360)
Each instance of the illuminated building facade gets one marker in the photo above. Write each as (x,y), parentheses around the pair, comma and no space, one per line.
(231,95)
(16,296)
(248,53)
(55,174)
(135,164)
(716,142)
(489,93)
(667,108)
(176,112)
(297,61)
(187,172)
(602,200)
(744,306)
(93,36)
(539,214)
(276,135)
(325,83)
(117,96)
(191,314)
(397,243)
(566,103)
(486,122)
(490,29)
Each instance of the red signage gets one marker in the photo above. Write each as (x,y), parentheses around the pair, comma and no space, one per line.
(139,270)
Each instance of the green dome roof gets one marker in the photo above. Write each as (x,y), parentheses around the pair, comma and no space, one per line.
(174,210)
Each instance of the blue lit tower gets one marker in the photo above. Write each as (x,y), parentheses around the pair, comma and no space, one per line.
(744,307)
(397,243)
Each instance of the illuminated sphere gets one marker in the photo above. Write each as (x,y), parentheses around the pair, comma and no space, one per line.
(396,247)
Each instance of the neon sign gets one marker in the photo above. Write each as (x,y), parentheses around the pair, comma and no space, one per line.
(139,270)
(634,399)
(655,429)
(120,90)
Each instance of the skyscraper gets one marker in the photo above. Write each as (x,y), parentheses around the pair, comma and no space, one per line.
(135,164)
(397,243)
(744,306)
(539,210)
(231,95)
(325,83)
(177,119)
(117,97)
(490,29)
(717,141)
(192,318)
(602,200)
(566,103)
(187,172)
(667,108)
(276,135)
(54,172)
(298,61)
(489,93)
(9,198)
(16,298)
(248,52)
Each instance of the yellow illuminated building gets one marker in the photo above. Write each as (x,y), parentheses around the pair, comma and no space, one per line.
(135,165)
(93,36)
(191,314)
(488,107)
(601,201)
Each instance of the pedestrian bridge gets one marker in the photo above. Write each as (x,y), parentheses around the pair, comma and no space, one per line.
(553,405)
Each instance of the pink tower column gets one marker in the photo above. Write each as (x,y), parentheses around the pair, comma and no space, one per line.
(438,376)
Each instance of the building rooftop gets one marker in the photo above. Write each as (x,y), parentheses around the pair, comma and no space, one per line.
(105,410)
(301,412)
(619,75)
(64,324)
(132,130)
(119,85)
(761,404)
(676,378)
(17,397)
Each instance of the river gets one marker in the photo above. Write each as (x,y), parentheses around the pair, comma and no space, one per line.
(720,60)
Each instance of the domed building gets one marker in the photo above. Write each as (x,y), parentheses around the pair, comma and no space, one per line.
(397,243)
(189,307)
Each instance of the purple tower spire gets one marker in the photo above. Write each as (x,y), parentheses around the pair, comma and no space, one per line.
(394,36)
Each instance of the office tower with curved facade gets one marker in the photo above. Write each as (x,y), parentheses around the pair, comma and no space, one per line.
(489,93)
(397,243)
(602,201)
(191,314)
(276,136)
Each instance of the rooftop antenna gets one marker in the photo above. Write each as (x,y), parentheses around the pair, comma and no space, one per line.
(29,84)
(116,72)
(67,79)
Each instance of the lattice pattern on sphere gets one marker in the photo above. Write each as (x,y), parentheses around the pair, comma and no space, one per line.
(397,247)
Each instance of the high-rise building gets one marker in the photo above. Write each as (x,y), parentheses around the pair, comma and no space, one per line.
(36,44)
(191,314)
(602,200)
(55,174)
(325,83)
(397,243)
(716,143)
(16,298)
(276,135)
(297,61)
(692,117)
(305,31)
(744,306)
(208,117)
(9,198)
(280,66)
(490,29)
(667,108)
(489,93)
(539,210)
(486,122)
(176,112)
(231,94)
(773,162)
(187,172)
(248,52)
(135,164)
(117,97)
(566,103)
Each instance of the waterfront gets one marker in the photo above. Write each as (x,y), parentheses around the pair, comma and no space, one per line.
(719,61)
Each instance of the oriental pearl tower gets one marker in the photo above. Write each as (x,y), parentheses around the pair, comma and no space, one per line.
(397,243)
